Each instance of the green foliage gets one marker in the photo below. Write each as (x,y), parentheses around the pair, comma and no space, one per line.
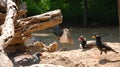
(100,12)
(37,6)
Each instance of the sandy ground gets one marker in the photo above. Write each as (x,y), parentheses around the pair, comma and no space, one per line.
(76,57)
(80,58)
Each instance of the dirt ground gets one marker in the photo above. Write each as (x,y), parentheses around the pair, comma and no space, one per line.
(76,57)
(80,58)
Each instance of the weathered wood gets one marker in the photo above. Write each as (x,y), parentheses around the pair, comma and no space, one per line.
(41,47)
(19,14)
(24,27)
(7,31)
(16,31)
(8,27)
(51,48)
(40,22)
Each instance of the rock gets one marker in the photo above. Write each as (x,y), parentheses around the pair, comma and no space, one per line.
(45,65)
(5,61)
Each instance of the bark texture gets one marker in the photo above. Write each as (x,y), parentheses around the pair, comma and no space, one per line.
(14,30)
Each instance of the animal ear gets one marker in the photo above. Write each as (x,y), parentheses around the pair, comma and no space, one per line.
(93,36)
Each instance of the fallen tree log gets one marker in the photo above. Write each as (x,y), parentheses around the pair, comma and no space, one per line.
(24,27)
(16,31)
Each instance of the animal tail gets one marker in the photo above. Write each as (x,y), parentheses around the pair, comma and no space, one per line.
(115,51)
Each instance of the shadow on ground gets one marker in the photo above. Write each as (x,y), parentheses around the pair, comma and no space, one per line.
(104,61)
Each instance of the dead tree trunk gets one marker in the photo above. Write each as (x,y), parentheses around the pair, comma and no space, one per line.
(14,30)
(7,30)
(24,27)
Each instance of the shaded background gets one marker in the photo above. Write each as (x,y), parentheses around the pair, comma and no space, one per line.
(82,17)
(99,12)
